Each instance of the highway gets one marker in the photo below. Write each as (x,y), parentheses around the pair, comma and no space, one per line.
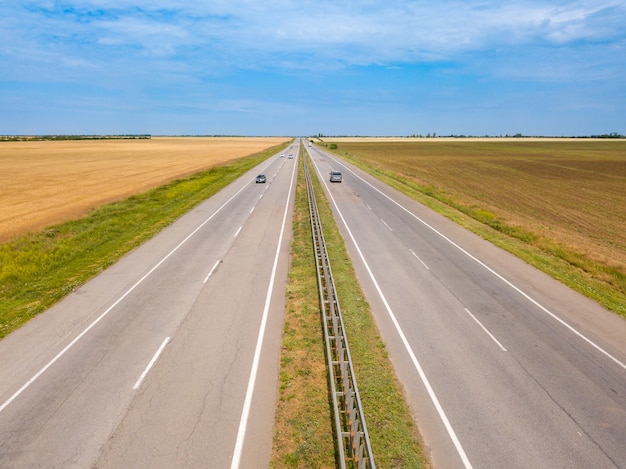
(502,366)
(170,357)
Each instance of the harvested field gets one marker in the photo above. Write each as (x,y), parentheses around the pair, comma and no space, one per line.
(569,193)
(47,182)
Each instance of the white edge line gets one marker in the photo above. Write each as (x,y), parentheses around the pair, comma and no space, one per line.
(405,342)
(489,269)
(206,279)
(245,414)
(486,330)
(110,308)
(151,364)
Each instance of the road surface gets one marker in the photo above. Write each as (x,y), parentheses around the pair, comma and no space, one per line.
(170,357)
(502,366)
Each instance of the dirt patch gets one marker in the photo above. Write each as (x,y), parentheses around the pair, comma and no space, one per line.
(47,182)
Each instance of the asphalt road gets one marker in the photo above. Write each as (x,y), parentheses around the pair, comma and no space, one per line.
(502,366)
(170,357)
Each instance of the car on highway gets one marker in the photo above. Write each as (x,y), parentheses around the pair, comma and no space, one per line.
(261,178)
(335,176)
(290,156)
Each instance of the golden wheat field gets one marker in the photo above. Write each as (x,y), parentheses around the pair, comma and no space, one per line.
(47,182)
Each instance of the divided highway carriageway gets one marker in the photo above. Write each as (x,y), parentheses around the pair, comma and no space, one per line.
(170,357)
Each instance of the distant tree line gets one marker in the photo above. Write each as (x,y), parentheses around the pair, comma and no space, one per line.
(321,136)
(22,138)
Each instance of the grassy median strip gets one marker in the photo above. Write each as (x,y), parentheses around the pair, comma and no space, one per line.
(303,431)
(38,269)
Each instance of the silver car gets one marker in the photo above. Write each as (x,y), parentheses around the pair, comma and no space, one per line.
(335,176)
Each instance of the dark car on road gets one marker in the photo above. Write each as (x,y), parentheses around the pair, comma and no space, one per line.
(261,178)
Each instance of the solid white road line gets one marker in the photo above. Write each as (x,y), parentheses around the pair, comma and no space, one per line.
(245,414)
(489,269)
(485,329)
(405,342)
(151,364)
(110,308)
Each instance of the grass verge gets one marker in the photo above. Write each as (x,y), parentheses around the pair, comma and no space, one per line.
(600,282)
(303,430)
(38,269)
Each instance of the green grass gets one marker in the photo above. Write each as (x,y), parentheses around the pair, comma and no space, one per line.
(304,422)
(303,435)
(38,269)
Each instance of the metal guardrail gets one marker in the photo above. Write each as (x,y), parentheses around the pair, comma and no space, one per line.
(353,441)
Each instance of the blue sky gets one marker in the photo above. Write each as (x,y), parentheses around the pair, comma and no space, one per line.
(286,67)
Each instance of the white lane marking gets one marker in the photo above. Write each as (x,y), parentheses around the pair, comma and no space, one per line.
(151,364)
(368,206)
(419,259)
(385,223)
(252,209)
(496,274)
(405,342)
(485,329)
(110,308)
(238,231)
(245,414)
(206,279)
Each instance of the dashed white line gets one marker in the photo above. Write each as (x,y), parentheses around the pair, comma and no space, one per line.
(247,404)
(252,209)
(238,231)
(493,272)
(151,364)
(486,330)
(385,223)
(418,367)
(110,308)
(206,279)
(419,259)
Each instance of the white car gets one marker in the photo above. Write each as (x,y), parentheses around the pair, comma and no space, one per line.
(335,176)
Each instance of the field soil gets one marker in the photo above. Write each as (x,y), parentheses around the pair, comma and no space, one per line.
(47,182)
(569,191)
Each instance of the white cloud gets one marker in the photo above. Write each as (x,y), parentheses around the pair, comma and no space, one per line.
(171,49)
(359,32)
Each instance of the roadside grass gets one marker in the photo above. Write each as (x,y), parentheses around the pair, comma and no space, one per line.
(38,269)
(302,432)
(303,429)
(560,206)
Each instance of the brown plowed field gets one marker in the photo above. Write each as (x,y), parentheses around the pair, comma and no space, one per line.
(571,191)
(47,182)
